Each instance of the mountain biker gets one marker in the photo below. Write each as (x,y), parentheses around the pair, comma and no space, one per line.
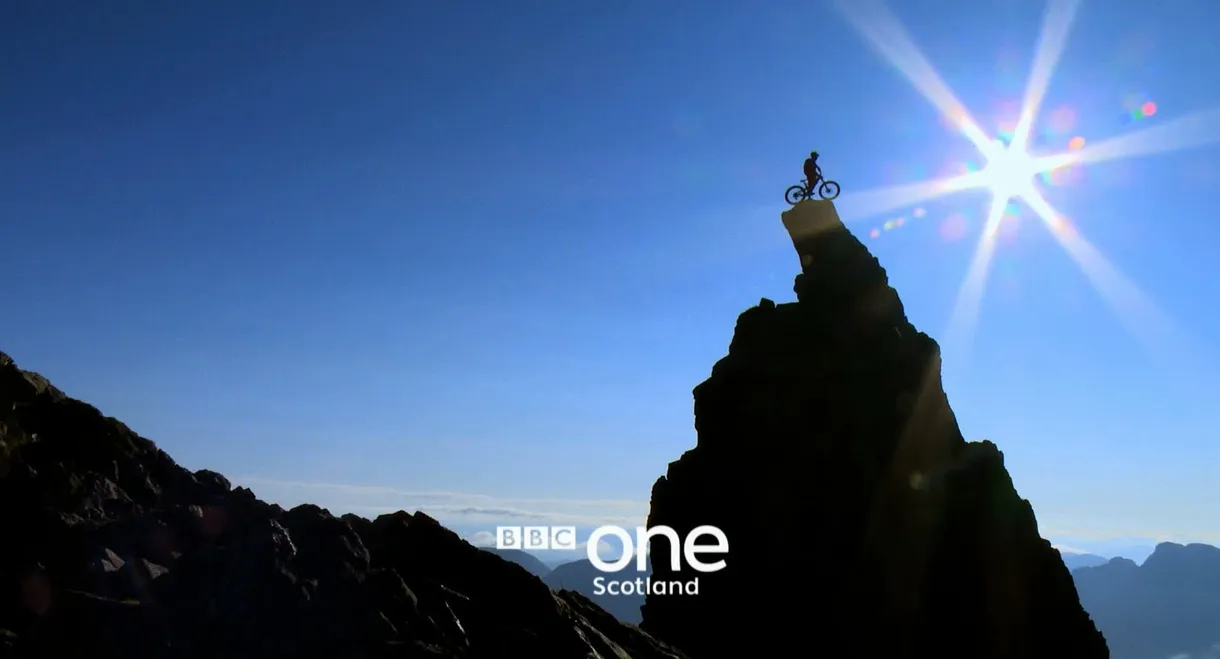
(813,173)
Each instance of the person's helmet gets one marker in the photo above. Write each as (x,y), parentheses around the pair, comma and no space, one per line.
(813,154)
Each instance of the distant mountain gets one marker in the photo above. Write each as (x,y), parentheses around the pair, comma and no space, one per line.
(1168,606)
(522,558)
(1074,560)
(579,576)
(1133,549)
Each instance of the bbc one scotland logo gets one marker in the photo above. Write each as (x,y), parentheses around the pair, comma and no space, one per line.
(684,554)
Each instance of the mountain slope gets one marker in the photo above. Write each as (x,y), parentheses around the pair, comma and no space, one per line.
(113,550)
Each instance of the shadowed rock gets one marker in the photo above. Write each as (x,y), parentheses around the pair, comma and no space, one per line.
(857,516)
(110,549)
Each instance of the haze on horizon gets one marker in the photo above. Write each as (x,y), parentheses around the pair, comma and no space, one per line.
(471,259)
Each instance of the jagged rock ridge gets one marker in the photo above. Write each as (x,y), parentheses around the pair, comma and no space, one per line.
(110,549)
(858,518)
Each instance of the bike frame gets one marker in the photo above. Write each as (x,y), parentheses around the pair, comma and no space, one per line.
(817,172)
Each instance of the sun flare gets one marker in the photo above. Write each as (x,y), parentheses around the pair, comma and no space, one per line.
(1009,171)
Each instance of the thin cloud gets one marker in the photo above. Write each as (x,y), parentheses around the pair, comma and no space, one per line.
(483,539)
(1149,535)
(437,495)
(484,510)
(455,507)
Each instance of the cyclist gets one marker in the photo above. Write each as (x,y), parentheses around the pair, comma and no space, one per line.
(813,173)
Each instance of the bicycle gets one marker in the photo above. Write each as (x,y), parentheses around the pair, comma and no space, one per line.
(827,190)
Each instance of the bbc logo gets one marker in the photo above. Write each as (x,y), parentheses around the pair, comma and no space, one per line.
(536,537)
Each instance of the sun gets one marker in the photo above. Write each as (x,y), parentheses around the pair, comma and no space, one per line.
(1009,172)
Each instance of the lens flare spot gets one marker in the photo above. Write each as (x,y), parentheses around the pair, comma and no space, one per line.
(1076,143)
(961,168)
(1063,119)
(953,227)
(1132,101)
(1136,106)
(1061,225)
(874,233)
(1064,176)
(900,221)
(889,224)
(919,212)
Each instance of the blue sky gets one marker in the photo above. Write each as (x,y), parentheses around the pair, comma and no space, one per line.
(472,257)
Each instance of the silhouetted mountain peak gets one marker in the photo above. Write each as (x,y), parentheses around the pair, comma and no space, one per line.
(1172,552)
(1194,562)
(1120,563)
(826,428)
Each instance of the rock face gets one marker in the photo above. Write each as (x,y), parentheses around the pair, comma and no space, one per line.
(857,516)
(110,549)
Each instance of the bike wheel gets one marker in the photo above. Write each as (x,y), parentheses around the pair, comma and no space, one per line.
(795,194)
(828,190)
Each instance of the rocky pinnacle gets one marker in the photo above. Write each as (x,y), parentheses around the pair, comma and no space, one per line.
(859,520)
